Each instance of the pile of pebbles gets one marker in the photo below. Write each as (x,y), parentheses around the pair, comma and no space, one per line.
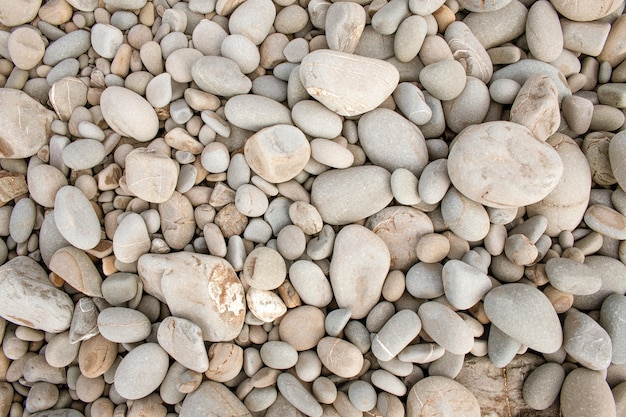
(280,208)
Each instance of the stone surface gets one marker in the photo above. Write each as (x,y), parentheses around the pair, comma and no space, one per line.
(585,391)
(141,123)
(539,330)
(504,183)
(347,84)
(358,269)
(76,218)
(440,395)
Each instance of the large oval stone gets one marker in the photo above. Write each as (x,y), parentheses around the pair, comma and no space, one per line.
(28,299)
(141,371)
(525,313)
(344,196)
(215,397)
(201,288)
(135,118)
(358,269)
(76,218)
(345,83)
(586,393)
(25,124)
(500,164)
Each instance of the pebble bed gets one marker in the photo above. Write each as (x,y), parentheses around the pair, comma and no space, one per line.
(284,208)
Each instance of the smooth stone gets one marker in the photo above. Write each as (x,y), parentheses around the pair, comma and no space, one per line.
(345,196)
(337,80)
(404,187)
(539,112)
(177,221)
(586,392)
(22,220)
(213,396)
(253,20)
(616,151)
(160,171)
(362,395)
(504,91)
(434,181)
(316,120)
(526,68)
(612,320)
(260,399)
(332,154)
(340,357)
(499,26)
(83,154)
(266,305)
(123,325)
(468,108)
(298,396)
(84,326)
(71,45)
(359,254)
(572,277)
(23,283)
(106,39)
(43,183)
(344,25)
(400,228)
(141,123)
(446,327)
(125,4)
(543,32)
(465,217)
(201,288)
(278,354)
(410,37)
(396,334)
(411,102)
(613,51)
(480,7)
(542,386)
(119,288)
(464,285)
(26,124)
(277,153)
(220,76)
(242,50)
(60,352)
(26,48)
(424,8)
(180,62)
(501,347)
(264,269)
(438,395)
(76,269)
(302,327)
(15,16)
(254,112)
(391,141)
(586,10)
(141,371)
(467,49)
(448,365)
(225,361)
(208,36)
(565,206)
(131,239)
(606,221)
(610,271)
(445,79)
(505,183)
(71,205)
(310,283)
(540,330)
(588,38)
(182,339)
(424,280)
(586,341)
(159,90)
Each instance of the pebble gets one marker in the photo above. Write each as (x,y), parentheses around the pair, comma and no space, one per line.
(365,190)
(446,327)
(541,388)
(278,355)
(464,285)
(391,141)
(265,305)
(219,308)
(220,76)
(467,49)
(322,73)
(577,398)
(538,112)
(131,239)
(298,396)
(540,330)
(359,254)
(498,184)
(609,270)
(611,319)
(123,325)
(149,164)
(70,205)
(445,79)
(572,277)
(437,394)
(141,371)
(106,39)
(264,269)
(255,112)
(214,396)
(340,357)
(499,26)
(587,11)
(586,341)
(141,124)
(76,269)
(302,327)
(393,337)
(606,221)
(310,283)
(26,48)
(277,153)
